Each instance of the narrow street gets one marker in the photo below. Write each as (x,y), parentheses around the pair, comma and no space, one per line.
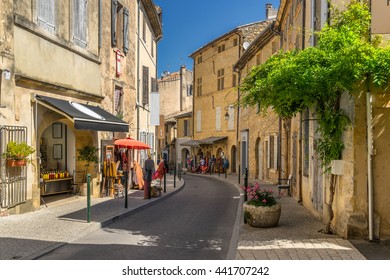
(196,223)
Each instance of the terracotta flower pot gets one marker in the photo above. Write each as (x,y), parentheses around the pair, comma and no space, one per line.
(262,216)
(15,163)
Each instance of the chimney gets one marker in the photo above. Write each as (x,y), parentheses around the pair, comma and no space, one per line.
(270,12)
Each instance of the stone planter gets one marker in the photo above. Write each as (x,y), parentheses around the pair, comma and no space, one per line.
(263,216)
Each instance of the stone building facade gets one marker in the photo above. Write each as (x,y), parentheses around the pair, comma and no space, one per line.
(360,205)
(176,94)
(215,112)
(68,80)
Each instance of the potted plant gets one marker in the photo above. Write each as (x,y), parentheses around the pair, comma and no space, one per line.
(262,209)
(89,155)
(17,153)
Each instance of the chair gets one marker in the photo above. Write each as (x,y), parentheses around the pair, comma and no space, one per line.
(78,178)
(285,184)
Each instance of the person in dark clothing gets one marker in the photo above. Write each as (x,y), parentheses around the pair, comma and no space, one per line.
(149,170)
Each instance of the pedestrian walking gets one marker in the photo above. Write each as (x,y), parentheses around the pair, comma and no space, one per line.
(149,170)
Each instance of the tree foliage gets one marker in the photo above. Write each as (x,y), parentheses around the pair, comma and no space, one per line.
(291,81)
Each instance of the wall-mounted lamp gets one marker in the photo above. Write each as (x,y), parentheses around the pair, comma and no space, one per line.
(227,116)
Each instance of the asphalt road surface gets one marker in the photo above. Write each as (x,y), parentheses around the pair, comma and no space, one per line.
(195,223)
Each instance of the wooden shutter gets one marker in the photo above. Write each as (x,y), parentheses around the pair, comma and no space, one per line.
(218,118)
(145,85)
(80,22)
(125,31)
(198,121)
(276,152)
(114,7)
(231,118)
(46,14)
(154,84)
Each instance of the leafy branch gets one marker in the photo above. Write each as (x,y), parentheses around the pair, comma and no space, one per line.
(316,77)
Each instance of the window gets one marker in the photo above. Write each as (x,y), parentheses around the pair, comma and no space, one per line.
(200,59)
(143,28)
(221,79)
(80,22)
(258,59)
(198,121)
(218,119)
(234,80)
(154,84)
(152,45)
(221,48)
(118,102)
(274,47)
(145,85)
(189,90)
(235,42)
(46,14)
(272,152)
(119,26)
(231,118)
(186,128)
(199,86)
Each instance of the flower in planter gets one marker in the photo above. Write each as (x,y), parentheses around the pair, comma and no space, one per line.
(259,197)
(18,152)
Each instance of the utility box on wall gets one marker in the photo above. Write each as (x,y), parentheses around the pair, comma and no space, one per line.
(337,167)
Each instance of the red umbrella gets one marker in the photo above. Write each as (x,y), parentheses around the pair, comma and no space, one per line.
(131,144)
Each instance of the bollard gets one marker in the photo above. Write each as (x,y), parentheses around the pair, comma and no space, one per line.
(239,174)
(88,198)
(245,192)
(174,176)
(126,187)
(165,182)
(179,175)
(246,183)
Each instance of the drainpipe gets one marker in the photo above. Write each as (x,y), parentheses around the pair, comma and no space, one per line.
(370,143)
(138,75)
(240,39)
(369,168)
(100,25)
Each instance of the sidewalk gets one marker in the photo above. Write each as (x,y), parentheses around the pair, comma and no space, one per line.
(296,237)
(27,236)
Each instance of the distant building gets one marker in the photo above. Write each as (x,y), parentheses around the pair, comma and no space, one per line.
(176,93)
(216,116)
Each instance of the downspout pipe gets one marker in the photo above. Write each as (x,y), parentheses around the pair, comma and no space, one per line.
(239,71)
(100,25)
(138,69)
(370,143)
(369,167)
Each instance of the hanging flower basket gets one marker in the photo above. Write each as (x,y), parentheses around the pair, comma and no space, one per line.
(17,153)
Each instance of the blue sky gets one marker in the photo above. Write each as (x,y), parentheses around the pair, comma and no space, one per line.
(190,24)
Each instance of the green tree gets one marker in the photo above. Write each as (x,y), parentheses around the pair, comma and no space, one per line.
(315,77)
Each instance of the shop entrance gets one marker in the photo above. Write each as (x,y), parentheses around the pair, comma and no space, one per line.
(56,146)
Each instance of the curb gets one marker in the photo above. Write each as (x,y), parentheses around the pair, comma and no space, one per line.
(97,225)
